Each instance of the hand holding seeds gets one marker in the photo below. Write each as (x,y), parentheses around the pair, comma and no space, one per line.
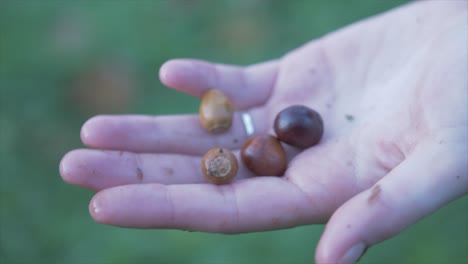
(388,148)
(263,155)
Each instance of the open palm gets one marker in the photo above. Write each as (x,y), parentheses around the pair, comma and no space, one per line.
(392,92)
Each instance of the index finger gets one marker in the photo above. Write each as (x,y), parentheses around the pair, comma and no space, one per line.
(245,86)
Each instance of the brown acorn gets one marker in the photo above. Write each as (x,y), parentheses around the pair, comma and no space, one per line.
(216,112)
(219,166)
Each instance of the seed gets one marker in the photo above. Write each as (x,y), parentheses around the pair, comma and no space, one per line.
(216,112)
(219,166)
(299,126)
(264,156)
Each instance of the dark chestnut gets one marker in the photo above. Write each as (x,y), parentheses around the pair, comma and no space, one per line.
(264,156)
(299,126)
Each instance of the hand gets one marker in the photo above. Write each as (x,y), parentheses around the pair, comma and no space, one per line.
(392,92)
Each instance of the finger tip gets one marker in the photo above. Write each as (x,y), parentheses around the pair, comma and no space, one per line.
(333,253)
(182,75)
(63,169)
(168,72)
(322,254)
(73,169)
(86,131)
(353,254)
(163,71)
(96,209)
(66,167)
(92,129)
(346,238)
(334,240)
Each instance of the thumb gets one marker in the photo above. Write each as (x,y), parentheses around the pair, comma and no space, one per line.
(430,177)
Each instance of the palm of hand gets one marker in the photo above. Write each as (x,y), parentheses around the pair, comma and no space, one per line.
(394,119)
(379,103)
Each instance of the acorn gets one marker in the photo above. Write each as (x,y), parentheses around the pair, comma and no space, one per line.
(219,166)
(216,111)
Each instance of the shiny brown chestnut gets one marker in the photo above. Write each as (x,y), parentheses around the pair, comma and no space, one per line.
(264,156)
(219,166)
(299,126)
(216,111)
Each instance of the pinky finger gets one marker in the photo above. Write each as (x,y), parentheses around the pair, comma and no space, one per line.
(256,204)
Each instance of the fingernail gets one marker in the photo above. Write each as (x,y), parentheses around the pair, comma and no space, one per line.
(95,206)
(84,132)
(353,254)
(163,72)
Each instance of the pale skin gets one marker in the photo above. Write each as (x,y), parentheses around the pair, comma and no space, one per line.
(393,93)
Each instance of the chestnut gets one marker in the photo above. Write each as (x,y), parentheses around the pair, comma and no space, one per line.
(299,126)
(219,166)
(216,111)
(264,156)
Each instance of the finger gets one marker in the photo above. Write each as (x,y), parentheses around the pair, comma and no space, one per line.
(431,177)
(97,169)
(256,204)
(164,134)
(245,86)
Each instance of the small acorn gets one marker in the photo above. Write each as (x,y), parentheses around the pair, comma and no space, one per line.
(299,126)
(216,111)
(219,166)
(264,156)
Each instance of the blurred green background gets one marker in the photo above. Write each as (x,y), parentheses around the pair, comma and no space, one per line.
(62,62)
